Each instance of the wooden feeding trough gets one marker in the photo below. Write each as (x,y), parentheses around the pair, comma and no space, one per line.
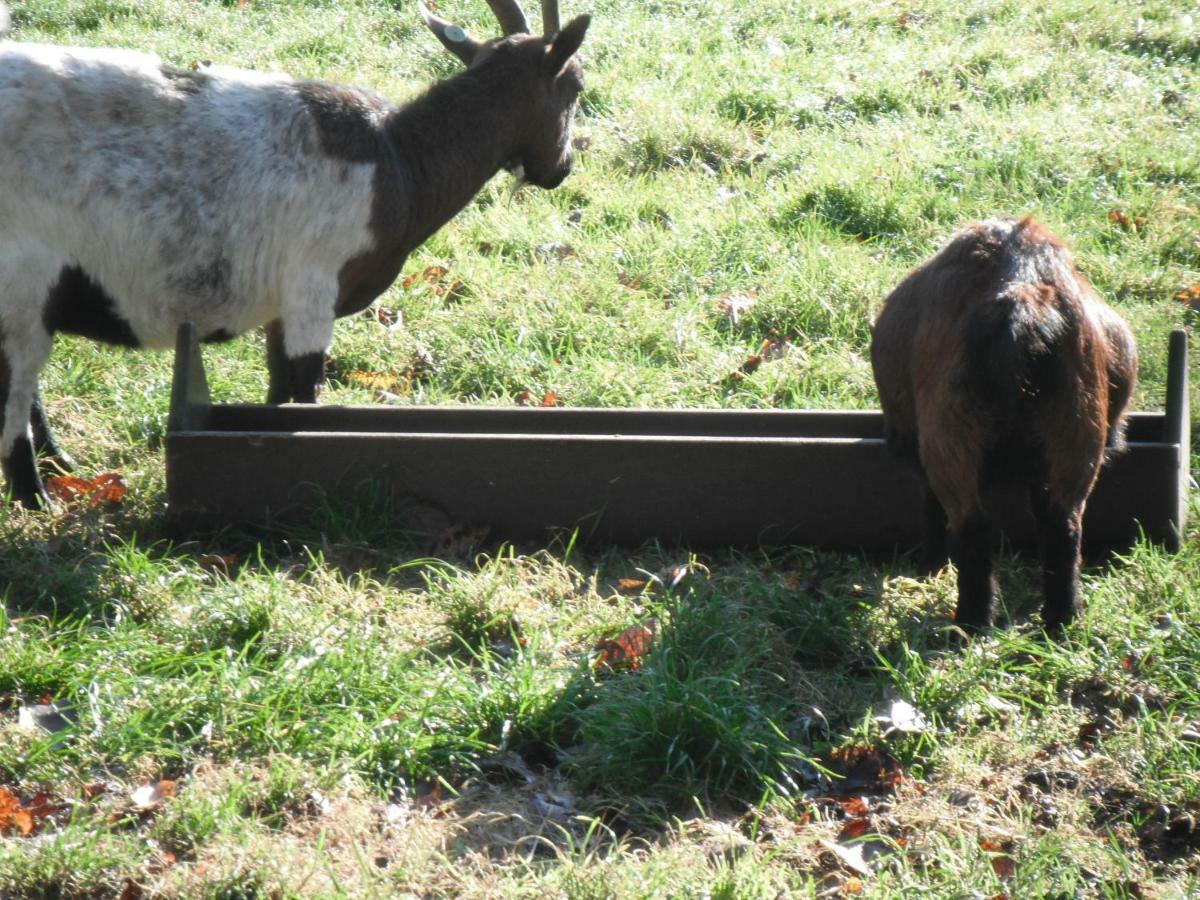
(703,478)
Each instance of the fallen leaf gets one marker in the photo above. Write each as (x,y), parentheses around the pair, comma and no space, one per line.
(854,828)
(855,807)
(459,540)
(750,365)
(1004,866)
(774,348)
(852,886)
(633,282)
(863,769)
(631,585)
(548,399)
(432,801)
(376,381)
(1190,296)
(626,650)
(903,717)
(24,819)
(107,488)
(221,563)
(1129,223)
(850,857)
(150,797)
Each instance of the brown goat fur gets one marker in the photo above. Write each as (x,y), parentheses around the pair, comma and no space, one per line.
(996,361)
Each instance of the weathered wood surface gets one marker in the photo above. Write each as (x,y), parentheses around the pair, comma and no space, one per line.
(703,478)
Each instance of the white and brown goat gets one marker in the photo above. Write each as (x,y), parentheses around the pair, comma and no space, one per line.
(996,361)
(135,196)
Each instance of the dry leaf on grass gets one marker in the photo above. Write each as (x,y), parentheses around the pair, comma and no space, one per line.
(848,857)
(627,649)
(109,488)
(528,398)
(26,818)
(150,797)
(863,769)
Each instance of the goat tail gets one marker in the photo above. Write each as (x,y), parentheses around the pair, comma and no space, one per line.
(1014,341)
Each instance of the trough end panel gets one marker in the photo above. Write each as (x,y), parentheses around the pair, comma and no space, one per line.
(190,399)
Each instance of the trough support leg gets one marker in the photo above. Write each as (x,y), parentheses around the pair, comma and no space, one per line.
(1061,531)
(973,557)
(933,552)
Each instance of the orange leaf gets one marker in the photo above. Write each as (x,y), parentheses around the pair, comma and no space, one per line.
(1004,866)
(431,276)
(432,801)
(107,488)
(855,806)
(375,381)
(852,886)
(630,585)
(1189,295)
(626,650)
(22,820)
(854,828)
(751,364)
(528,398)
(66,487)
(633,282)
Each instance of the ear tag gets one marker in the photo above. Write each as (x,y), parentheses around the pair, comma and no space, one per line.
(455,34)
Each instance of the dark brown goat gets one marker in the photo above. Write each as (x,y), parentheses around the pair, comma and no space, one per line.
(996,361)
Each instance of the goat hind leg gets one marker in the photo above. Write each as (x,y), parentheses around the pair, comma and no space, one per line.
(933,548)
(972,553)
(18,388)
(1061,529)
(45,445)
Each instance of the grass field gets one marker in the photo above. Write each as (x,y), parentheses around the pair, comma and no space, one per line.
(337,710)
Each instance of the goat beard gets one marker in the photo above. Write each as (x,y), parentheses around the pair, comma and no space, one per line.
(517,169)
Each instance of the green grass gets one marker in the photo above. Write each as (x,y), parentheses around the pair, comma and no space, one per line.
(344,715)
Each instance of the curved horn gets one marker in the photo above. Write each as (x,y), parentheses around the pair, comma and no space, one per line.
(453,38)
(550,25)
(508,13)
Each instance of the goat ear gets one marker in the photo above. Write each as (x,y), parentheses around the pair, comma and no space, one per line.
(453,38)
(565,44)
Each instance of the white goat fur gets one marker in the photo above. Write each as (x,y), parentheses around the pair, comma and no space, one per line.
(104,166)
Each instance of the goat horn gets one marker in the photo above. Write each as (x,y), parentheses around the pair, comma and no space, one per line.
(550,26)
(509,14)
(452,37)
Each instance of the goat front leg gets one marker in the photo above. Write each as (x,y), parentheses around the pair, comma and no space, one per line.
(298,341)
(1061,530)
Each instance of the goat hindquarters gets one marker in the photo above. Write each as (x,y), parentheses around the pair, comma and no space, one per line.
(996,362)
